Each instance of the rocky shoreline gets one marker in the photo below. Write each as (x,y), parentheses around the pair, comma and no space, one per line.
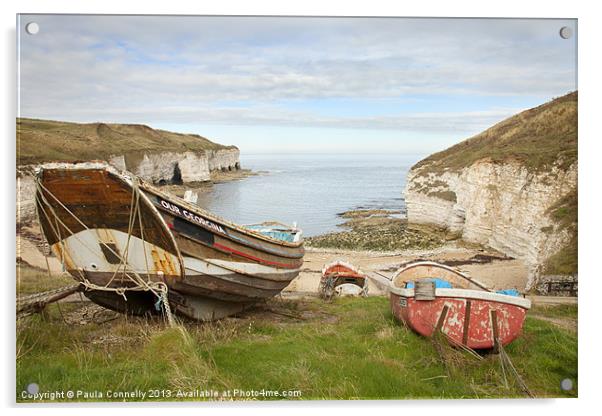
(380,230)
(380,242)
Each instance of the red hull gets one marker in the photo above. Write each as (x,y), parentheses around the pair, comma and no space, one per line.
(469,322)
(346,272)
(468,314)
(342,278)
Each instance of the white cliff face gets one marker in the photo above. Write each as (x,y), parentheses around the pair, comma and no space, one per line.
(224,159)
(118,162)
(193,168)
(503,206)
(168,167)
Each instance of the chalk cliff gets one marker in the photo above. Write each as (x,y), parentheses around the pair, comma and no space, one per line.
(177,167)
(512,188)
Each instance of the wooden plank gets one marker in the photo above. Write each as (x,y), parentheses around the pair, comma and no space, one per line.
(466,322)
(441,319)
(495,330)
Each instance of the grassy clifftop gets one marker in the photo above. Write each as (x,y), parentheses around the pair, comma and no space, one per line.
(44,140)
(536,138)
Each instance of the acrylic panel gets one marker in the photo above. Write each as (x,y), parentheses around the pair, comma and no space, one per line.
(295,208)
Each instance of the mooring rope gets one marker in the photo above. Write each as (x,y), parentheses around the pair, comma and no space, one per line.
(36,297)
(27,305)
(507,363)
(159,289)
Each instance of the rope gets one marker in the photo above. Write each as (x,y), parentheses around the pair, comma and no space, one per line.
(166,306)
(159,289)
(506,363)
(27,305)
(327,287)
(41,295)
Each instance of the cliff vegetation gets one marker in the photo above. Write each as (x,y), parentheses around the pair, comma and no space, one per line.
(537,138)
(564,215)
(40,141)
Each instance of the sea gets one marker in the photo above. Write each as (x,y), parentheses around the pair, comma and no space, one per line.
(311,189)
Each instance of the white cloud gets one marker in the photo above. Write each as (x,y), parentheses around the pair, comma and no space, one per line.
(183,69)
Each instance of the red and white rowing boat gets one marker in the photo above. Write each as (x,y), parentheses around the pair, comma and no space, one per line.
(467,313)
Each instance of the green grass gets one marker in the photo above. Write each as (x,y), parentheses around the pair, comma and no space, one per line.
(565,261)
(348,349)
(568,311)
(45,140)
(565,215)
(32,280)
(564,211)
(536,138)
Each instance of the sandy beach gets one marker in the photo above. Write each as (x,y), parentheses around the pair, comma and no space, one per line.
(497,274)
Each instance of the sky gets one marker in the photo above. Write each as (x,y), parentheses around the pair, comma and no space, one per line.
(295,84)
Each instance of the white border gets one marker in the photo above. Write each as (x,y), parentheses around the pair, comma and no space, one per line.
(590,149)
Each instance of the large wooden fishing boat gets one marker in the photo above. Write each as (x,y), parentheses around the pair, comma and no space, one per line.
(431,298)
(126,240)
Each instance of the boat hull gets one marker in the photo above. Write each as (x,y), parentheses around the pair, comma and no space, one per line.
(474,319)
(222,261)
(212,268)
(342,279)
(137,303)
(468,313)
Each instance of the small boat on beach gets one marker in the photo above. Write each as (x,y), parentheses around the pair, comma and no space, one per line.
(342,279)
(431,298)
(129,242)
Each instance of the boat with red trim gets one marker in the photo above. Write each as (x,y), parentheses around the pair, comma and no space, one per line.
(342,279)
(109,227)
(434,298)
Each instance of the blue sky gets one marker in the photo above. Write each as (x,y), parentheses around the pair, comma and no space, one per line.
(377,85)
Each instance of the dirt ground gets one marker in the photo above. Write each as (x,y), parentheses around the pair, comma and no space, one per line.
(30,253)
(498,274)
